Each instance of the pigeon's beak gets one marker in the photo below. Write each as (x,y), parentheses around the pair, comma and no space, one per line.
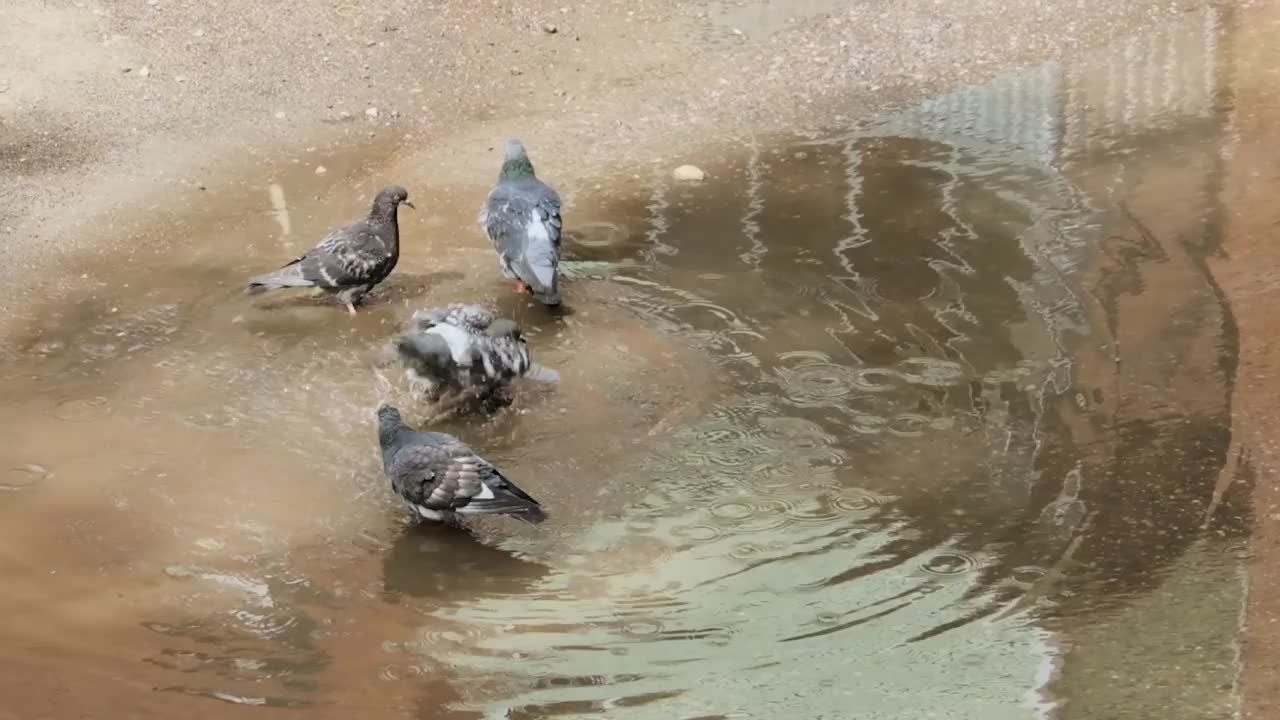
(406,202)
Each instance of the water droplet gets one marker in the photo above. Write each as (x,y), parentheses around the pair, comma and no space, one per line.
(746,551)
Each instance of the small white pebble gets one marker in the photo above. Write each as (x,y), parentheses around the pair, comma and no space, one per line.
(688,172)
(371,112)
(320,169)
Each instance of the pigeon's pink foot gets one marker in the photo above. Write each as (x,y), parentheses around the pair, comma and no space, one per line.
(520,288)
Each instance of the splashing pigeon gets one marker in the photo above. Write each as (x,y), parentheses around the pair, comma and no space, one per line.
(522,218)
(443,479)
(463,351)
(351,260)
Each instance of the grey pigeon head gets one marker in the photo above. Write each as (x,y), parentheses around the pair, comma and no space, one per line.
(391,197)
(514,150)
(389,423)
(515,161)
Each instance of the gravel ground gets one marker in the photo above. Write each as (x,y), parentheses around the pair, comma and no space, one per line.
(106,105)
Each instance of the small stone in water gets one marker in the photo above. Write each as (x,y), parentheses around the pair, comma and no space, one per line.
(550,29)
(688,172)
(371,112)
(320,169)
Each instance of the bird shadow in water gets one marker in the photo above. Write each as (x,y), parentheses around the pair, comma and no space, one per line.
(447,563)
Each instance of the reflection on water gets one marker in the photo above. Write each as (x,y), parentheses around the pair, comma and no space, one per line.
(918,420)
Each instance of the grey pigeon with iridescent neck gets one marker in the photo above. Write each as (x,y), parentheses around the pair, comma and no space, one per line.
(351,260)
(442,479)
(522,219)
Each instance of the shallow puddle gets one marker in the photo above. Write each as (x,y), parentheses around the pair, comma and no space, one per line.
(884,425)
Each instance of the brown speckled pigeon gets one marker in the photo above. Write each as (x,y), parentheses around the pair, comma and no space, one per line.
(351,260)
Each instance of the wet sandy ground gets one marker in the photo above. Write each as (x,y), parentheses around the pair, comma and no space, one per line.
(195,364)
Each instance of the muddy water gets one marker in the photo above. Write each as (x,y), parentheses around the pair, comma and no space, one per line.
(923,420)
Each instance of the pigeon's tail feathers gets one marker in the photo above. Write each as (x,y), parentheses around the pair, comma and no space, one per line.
(505,499)
(542,276)
(547,285)
(541,257)
(550,298)
(287,276)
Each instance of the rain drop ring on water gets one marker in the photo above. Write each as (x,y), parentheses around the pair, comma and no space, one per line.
(599,234)
(908,425)
(732,510)
(796,432)
(855,502)
(437,638)
(82,410)
(21,478)
(698,533)
(866,379)
(950,564)
(746,551)
(1028,574)
(812,513)
(816,384)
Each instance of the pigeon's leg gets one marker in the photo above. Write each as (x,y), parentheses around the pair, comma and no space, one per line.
(352,297)
(520,287)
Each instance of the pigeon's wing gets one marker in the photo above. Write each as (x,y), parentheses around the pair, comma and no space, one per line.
(474,319)
(522,219)
(350,256)
(444,475)
(505,217)
(501,360)
(549,207)
(427,475)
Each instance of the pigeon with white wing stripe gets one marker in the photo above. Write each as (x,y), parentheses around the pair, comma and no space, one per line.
(521,216)
(442,479)
(465,352)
